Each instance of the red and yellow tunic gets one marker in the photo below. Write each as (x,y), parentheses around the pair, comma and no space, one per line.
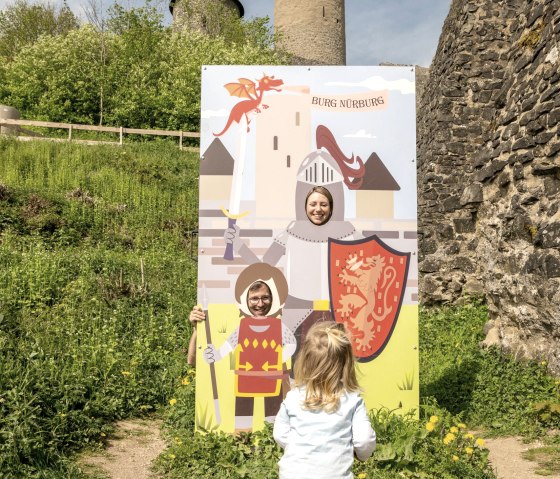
(258,357)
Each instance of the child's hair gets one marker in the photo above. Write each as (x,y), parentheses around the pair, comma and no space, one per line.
(325,366)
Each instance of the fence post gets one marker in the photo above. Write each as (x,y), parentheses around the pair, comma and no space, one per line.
(121,136)
(70,132)
(181,140)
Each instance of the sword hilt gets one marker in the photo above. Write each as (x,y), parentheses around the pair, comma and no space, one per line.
(228,255)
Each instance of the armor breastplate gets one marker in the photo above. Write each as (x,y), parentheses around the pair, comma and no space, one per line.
(258,357)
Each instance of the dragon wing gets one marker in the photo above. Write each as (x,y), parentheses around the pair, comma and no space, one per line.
(245,88)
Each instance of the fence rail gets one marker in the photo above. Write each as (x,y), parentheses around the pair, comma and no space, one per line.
(108,129)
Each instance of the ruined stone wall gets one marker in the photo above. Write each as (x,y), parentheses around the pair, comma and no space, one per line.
(206,16)
(314,32)
(489,170)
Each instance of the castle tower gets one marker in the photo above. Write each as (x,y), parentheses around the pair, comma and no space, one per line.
(312,30)
(203,15)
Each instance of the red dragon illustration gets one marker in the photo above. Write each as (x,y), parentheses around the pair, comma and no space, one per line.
(246,88)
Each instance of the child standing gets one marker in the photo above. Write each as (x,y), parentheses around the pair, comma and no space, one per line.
(323,422)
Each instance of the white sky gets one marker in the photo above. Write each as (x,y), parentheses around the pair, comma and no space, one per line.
(396,31)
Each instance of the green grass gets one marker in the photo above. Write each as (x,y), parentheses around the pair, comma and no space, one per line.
(96,281)
(97,276)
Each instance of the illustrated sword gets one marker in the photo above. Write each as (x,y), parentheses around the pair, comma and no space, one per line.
(212,366)
(233,213)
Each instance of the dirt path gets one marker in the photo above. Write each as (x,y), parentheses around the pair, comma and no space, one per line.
(136,443)
(505,457)
(130,452)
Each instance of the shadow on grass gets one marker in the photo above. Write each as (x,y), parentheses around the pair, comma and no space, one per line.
(453,389)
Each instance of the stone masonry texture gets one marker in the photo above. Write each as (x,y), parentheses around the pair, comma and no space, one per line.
(313,31)
(489,171)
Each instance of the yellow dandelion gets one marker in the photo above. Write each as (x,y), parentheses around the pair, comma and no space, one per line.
(448,438)
(430,426)
(171,456)
(173,401)
(126,373)
(469,436)
(102,434)
(186,381)
(454,430)
(434,419)
(455,458)
(362,475)
(469,450)
(479,442)
(462,425)
(178,441)
(543,363)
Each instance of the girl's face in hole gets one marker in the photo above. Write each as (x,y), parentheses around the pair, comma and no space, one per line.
(318,208)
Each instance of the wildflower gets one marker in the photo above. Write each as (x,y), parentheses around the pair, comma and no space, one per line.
(462,425)
(178,441)
(171,456)
(454,430)
(102,434)
(434,419)
(430,426)
(455,458)
(469,436)
(469,450)
(186,381)
(126,373)
(543,363)
(479,442)
(362,475)
(173,401)
(448,438)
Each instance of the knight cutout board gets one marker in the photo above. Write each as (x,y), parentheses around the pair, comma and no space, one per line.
(269,136)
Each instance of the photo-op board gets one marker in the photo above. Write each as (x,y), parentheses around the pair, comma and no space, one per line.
(269,135)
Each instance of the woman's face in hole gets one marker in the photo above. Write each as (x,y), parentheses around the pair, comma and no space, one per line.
(318,208)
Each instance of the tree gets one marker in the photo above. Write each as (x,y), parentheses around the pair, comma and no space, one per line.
(22,23)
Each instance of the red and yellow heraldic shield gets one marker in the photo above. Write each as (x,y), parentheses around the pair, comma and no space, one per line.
(367,281)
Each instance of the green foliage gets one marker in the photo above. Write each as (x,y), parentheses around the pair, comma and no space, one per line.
(23,22)
(135,73)
(96,281)
(489,388)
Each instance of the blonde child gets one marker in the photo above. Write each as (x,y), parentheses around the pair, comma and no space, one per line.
(323,422)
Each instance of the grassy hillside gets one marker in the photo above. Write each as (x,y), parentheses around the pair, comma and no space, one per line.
(97,276)
(96,279)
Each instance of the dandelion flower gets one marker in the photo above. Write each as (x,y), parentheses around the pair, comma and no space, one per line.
(469,436)
(102,434)
(126,373)
(462,425)
(455,458)
(430,426)
(454,430)
(479,442)
(186,381)
(173,401)
(448,438)
(362,475)
(543,363)
(434,419)
(171,456)
(469,450)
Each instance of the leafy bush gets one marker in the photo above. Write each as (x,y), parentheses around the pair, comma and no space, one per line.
(93,315)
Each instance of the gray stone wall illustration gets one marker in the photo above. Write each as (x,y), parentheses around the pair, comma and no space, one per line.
(489,170)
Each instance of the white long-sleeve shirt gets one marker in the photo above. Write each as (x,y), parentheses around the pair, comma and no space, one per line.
(322,445)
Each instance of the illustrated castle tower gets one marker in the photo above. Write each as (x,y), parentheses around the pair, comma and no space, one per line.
(313,31)
(201,15)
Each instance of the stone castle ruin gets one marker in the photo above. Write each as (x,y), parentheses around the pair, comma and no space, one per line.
(488,159)
(489,170)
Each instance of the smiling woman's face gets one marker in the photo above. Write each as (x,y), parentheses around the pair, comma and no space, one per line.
(318,208)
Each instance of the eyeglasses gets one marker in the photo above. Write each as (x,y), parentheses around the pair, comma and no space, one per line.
(264,299)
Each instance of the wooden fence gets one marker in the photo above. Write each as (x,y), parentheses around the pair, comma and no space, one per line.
(107,129)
